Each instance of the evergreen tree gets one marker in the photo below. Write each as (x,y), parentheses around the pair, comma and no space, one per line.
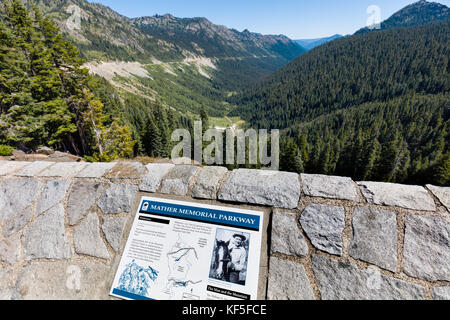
(162,123)
(205,119)
(108,143)
(371,153)
(290,157)
(441,171)
(45,96)
(152,139)
(298,165)
(303,148)
(34,112)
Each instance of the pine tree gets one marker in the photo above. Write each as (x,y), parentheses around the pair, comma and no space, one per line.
(298,165)
(118,142)
(303,148)
(314,164)
(205,119)
(324,160)
(290,157)
(152,139)
(44,91)
(371,154)
(441,171)
(165,133)
(107,143)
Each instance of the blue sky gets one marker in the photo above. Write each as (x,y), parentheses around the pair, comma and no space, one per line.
(297,19)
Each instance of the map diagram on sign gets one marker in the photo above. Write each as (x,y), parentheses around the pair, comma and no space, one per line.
(182,258)
(171,249)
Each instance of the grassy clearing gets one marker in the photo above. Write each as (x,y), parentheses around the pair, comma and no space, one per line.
(224,122)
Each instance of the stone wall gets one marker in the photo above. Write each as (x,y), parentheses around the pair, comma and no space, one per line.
(328,237)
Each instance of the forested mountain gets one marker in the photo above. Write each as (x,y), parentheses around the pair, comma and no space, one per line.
(183,64)
(416,14)
(371,106)
(347,72)
(240,57)
(46,97)
(155,82)
(310,44)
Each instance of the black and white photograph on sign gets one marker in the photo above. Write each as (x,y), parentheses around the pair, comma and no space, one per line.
(230,256)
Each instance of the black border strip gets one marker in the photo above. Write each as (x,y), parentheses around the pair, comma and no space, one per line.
(155,220)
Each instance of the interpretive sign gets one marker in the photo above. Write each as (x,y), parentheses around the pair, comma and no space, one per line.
(189,251)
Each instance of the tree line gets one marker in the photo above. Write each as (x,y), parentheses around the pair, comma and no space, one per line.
(371,106)
(405,140)
(48,99)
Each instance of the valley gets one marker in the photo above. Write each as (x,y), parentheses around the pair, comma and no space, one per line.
(372,106)
(182,63)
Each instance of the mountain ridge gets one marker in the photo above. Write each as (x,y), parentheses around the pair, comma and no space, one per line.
(199,30)
(418,13)
(105,16)
(306,71)
(187,62)
(310,44)
(373,106)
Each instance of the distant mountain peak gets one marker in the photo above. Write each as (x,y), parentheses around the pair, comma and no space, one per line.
(418,13)
(165,16)
(422,7)
(310,44)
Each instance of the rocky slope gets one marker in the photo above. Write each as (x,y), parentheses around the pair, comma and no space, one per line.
(184,63)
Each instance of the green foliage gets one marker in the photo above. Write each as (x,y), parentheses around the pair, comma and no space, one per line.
(6,151)
(441,170)
(404,140)
(108,142)
(372,106)
(184,89)
(40,75)
(152,125)
(290,157)
(204,119)
(348,72)
(44,91)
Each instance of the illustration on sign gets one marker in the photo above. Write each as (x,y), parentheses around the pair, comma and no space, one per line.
(187,251)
